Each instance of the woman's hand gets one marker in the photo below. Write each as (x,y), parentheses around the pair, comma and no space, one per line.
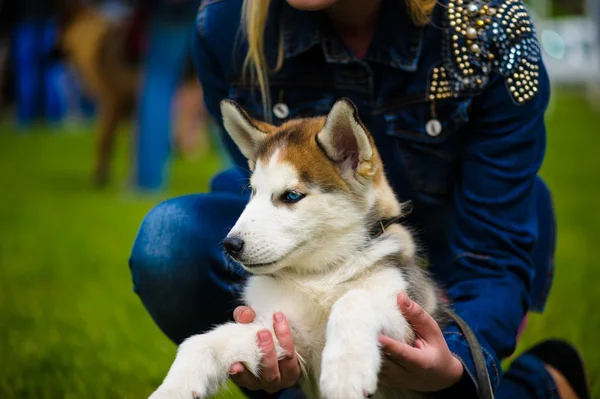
(427,366)
(275,375)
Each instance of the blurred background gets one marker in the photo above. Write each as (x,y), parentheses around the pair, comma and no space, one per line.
(93,135)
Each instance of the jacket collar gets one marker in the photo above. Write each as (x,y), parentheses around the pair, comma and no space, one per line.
(397,41)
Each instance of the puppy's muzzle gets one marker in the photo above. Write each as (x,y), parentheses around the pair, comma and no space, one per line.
(234,246)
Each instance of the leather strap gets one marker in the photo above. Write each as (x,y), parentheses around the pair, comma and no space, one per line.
(484,384)
(379,228)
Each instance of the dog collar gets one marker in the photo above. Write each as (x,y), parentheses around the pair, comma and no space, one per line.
(379,227)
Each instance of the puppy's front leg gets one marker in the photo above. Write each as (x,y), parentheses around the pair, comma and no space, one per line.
(202,363)
(351,359)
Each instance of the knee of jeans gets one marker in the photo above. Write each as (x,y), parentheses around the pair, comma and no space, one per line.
(168,240)
(176,264)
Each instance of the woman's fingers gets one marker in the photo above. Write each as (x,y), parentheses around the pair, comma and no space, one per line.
(288,365)
(243,378)
(275,374)
(399,352)
(269,372)
(269,378)
(244,315)
(419,319)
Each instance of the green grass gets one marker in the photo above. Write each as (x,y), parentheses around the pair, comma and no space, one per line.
(71,327)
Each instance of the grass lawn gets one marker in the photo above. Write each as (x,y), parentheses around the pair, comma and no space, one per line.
(71,327)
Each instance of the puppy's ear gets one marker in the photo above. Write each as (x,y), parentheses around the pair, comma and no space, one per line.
(345,140)
(247,133)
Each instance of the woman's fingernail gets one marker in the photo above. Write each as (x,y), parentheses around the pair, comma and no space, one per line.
(236,313)
(264,337)
(407,301)
(279,317)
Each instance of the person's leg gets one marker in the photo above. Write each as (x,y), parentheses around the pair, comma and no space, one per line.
(4,53)
(553,368)
(527,378)
(54,76)
(164,64)
(178,266)
(26,44)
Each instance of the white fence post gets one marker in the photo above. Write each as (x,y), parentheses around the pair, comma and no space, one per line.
(570,45)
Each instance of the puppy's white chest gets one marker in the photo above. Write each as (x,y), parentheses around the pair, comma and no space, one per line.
(325,320)
(306,309)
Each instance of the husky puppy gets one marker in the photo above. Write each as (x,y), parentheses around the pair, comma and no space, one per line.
(316,237)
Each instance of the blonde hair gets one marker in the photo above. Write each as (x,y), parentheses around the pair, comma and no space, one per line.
(254,18)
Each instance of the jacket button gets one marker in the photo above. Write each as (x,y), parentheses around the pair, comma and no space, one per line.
(433,127)
(281,110)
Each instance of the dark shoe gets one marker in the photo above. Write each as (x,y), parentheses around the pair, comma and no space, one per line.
(565,358)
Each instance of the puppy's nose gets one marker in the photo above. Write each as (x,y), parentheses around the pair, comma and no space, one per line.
(234,246)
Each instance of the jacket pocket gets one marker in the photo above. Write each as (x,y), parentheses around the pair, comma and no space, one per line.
(427,138)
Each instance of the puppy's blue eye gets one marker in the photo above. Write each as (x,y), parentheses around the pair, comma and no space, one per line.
(291,197)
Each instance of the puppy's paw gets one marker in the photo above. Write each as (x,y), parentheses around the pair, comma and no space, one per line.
(349,374)
(192,376)
(344,384)
(188,383)
(179,391)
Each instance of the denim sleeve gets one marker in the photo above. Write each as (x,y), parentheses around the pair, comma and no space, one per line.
(495,228)
(211,76)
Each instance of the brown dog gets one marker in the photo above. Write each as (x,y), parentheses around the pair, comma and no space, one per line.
(97,48)
(102,53)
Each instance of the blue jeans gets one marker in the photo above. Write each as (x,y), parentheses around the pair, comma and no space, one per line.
(38,80)
(164,64)
(187,284)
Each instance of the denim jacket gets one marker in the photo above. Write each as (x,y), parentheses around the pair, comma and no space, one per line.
(456,109)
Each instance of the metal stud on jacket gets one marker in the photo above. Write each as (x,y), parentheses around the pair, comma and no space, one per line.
(486,37)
